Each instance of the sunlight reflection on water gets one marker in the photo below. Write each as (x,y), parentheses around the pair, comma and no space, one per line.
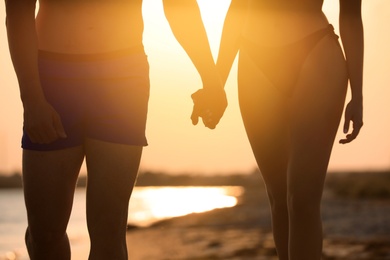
(165,202)
(147,205)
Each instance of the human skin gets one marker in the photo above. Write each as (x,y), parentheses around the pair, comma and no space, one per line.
(292,137)
(49,177)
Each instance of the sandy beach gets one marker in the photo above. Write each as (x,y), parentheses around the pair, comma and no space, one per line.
(354,229)
(355,212)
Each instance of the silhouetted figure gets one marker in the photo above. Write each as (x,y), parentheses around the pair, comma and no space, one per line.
(84,83)
(292,84)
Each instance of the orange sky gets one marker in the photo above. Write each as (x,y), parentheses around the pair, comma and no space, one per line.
(175,145)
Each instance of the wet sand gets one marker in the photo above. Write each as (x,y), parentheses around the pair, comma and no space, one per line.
(354,229)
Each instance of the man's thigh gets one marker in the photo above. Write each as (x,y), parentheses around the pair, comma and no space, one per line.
(49,180)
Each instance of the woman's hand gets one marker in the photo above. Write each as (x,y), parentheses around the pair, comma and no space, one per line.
(42,123)
(354,113)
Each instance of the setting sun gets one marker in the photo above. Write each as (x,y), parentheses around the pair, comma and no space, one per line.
(75,91)
(174,144)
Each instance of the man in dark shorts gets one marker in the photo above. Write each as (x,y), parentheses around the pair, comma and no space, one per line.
(84,83)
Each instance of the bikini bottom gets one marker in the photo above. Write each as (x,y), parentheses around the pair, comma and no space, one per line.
(282,64)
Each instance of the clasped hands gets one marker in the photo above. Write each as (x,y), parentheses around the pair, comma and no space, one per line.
(209,104)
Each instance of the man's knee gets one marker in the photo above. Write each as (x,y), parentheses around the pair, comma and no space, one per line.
(42,245)
(41,237)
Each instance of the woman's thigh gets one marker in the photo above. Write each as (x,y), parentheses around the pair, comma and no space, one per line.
(315,111)
(294,134)
(264,113)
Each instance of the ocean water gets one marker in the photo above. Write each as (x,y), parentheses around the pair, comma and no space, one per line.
(147,205)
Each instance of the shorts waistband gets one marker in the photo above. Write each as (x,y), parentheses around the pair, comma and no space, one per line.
(138,49)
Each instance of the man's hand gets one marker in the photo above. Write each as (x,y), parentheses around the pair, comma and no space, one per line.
(42,123)
(209,104)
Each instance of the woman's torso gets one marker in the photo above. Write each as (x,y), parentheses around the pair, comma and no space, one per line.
(279,22)
(89,26)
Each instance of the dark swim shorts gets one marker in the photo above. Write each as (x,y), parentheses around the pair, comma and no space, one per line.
(98,96)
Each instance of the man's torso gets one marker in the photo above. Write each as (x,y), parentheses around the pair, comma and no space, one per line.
(89,26)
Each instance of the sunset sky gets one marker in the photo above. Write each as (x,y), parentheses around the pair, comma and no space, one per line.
(175,145)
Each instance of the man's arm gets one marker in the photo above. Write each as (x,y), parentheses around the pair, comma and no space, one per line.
(351,32)
(41,122)
(187,26)
(22,41)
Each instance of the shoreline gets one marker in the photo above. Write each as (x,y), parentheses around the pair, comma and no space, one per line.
(353,229)
(356,223)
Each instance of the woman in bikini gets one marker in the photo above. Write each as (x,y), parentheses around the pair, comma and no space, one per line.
(292,82)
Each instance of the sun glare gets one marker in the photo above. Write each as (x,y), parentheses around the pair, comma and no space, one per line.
(213,16)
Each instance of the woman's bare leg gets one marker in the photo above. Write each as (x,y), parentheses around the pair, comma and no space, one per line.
(292,140)
(264,113)
(49,180)
(112,172)
(316,109)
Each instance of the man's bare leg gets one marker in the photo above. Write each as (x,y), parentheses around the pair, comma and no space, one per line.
(49,180)
(112,172)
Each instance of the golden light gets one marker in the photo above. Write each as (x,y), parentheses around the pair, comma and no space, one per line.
(213,16)
(167,202)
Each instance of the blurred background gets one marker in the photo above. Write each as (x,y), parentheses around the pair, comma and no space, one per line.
(219,163)
(175,145)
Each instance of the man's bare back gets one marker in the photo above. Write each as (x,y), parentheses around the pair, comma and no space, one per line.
(72,26)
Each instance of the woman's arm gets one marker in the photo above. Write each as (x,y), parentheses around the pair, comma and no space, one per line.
(186,24)
(231,34)
(41,122)
(351,32)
